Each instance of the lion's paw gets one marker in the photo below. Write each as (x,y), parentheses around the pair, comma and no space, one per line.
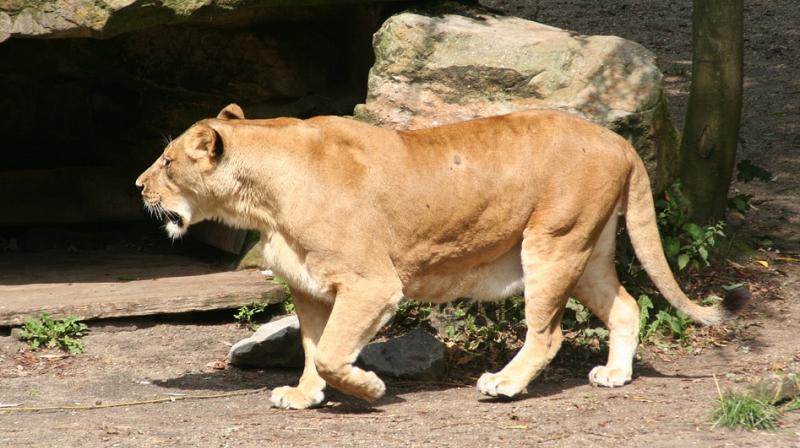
(495,384)
(372,389)
(606,377)
(287,397)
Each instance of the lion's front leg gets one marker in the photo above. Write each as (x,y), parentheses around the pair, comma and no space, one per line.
(313,315)
(361,308)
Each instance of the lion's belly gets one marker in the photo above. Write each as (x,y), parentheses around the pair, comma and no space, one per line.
(497,280)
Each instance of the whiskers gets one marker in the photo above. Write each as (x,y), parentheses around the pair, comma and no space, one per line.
(156,210)
(166,139)
(160,213)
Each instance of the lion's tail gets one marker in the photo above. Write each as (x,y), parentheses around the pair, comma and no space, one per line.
(640,219)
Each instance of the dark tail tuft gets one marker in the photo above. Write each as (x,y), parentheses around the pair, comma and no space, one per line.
(736,299)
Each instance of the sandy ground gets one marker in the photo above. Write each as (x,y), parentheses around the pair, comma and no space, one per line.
(668,403)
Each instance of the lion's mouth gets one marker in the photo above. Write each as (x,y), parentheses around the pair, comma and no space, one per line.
(173,217)
(170,218)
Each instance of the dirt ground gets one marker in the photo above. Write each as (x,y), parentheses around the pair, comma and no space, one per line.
(668,403)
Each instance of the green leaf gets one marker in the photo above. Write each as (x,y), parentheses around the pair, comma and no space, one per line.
(740,202)
(671,246)
(683,260)
(695,231)
(703,253)
(732,287)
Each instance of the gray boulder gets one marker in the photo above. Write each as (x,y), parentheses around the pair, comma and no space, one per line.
(432,70)
(416,355)
(274,344)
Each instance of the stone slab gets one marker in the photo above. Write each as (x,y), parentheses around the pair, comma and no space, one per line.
(100,284)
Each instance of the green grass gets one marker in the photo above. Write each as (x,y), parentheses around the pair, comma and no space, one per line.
(793,405)
(740,411)
(54,333)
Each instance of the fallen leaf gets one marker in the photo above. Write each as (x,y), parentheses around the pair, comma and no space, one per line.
(764,263)
(216,365)
(778,366)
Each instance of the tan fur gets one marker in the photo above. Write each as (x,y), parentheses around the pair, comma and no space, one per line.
(357,217)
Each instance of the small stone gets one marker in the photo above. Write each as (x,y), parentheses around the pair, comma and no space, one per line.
(274,344)
(16,332)
(416,355)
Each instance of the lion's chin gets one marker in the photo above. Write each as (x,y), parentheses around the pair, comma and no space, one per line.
(176,229)
(178,221)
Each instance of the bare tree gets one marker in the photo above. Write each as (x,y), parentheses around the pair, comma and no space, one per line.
(710,136)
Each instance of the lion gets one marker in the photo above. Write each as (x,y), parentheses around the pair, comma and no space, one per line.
(357,217)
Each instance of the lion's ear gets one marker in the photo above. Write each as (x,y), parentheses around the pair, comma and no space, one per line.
(204,143)
(231,112)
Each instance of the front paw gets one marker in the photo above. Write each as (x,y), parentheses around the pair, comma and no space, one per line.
(496,384)
(373,387)
(287,397)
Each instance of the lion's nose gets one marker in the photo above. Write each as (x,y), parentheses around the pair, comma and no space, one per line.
(140,185)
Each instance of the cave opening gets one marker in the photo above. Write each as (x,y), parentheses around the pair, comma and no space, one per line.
(82,117)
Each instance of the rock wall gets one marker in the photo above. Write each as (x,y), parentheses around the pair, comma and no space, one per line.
(442,68)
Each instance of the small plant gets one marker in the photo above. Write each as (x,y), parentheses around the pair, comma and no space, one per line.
(741,203)
(287,305)
(685,243)
(412,314)
(747,171)
(667,322)
(479,326)
(52,333)
(245,316)
(578,319)
(736,410)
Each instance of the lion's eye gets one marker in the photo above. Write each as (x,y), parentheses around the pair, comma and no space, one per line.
(166,162)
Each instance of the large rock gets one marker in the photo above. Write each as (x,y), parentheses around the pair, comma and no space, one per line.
(432,70)
(105,18)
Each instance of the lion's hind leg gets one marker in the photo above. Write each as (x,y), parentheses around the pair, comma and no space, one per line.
(600,290)
(551,266)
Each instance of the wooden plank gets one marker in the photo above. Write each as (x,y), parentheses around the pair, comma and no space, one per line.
(91,285)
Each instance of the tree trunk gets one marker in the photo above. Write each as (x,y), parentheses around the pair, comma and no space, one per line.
(710,136)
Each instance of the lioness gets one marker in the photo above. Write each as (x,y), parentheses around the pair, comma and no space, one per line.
(356,217)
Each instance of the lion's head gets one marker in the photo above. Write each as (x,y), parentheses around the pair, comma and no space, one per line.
(179,186)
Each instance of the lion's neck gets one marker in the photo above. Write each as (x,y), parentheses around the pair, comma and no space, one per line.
(248,202)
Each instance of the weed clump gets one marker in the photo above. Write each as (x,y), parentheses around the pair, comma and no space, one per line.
(54,333)
(737,410)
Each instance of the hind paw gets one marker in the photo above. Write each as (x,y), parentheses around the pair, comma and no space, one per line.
(607,377)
